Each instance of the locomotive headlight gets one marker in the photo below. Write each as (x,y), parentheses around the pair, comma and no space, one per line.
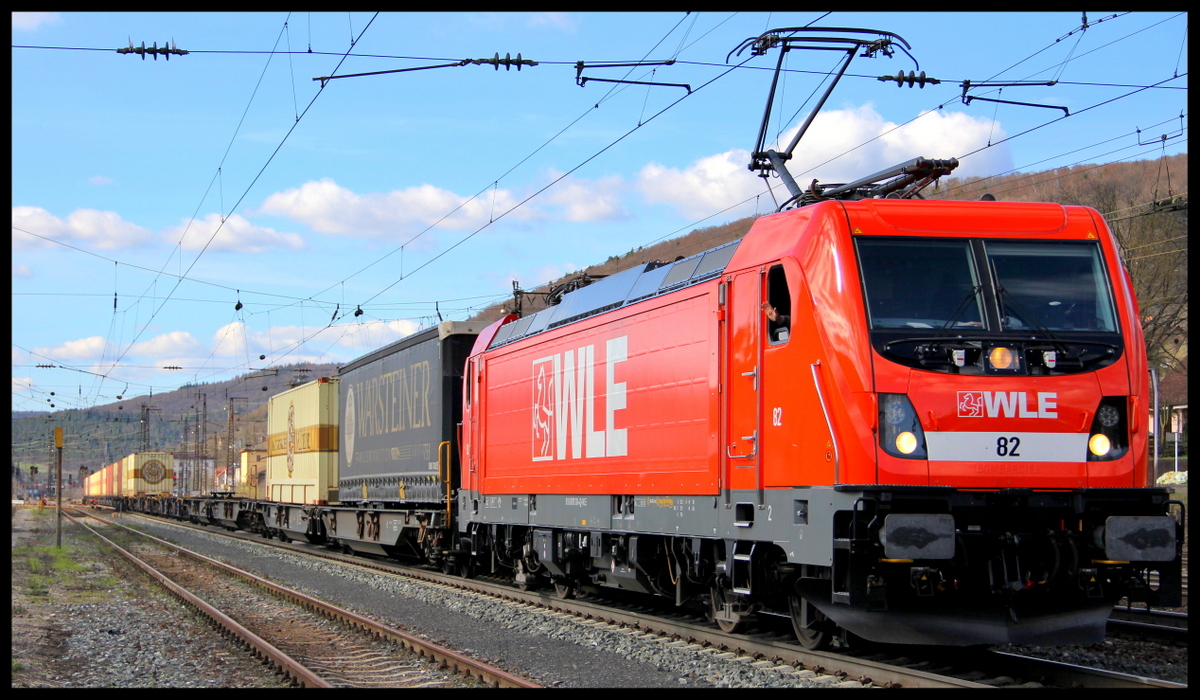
(1108,415)
(1002,358)
(1109,438)
(900,431)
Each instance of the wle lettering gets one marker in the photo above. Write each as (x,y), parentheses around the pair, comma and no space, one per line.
(1006,404)
(564,404)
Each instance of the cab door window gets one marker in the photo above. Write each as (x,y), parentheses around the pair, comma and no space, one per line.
(778,307)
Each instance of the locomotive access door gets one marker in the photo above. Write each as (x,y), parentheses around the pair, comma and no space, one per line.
(472,412)
(743,377)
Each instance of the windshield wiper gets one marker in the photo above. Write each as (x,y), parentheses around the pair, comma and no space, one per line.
(1025,314)
(962,306)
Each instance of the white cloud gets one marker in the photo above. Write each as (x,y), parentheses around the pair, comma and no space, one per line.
(22,384)
(83,349)
(235,341)
(168,344)
(708,185)
(100,180)
(29,21)
(237,234)
(840,146)
(369,335)
(230,340)
(327,207)
(843,145)
(589,200)
(21,270)
(97,229)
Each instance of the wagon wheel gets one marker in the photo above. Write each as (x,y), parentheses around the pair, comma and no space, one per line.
(462,566)
(812,628)
(735,626)
(565,588)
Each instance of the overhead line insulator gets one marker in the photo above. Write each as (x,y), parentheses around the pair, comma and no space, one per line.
(153,50)
(508,61)
(910,79)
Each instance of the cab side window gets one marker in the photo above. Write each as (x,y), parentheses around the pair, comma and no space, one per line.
(778,307)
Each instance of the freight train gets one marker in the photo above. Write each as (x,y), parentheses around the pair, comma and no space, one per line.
(909,421)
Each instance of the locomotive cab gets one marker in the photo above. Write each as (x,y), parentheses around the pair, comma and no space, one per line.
(1004,500)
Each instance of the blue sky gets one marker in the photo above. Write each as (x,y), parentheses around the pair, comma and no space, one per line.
(228,175)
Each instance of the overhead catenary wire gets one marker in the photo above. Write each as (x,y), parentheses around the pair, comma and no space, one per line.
(239,201)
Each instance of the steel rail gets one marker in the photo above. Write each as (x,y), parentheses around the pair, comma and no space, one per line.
(286,665)
(447,657)
(1076,676)
(1161,625)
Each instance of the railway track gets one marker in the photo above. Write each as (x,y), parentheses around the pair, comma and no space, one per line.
(1159,625)
(307,641)
(768,646)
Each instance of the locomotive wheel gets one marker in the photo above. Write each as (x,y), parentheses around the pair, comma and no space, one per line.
(734,626)
(565,588)
(811,626)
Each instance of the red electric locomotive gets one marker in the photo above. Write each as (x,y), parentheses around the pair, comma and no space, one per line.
(915,421)
(918,421)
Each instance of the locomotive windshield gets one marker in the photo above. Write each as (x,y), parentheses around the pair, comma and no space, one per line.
(927,298)
(1051,285)
(920,283)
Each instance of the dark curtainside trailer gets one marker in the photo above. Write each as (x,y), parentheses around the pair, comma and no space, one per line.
(400,406)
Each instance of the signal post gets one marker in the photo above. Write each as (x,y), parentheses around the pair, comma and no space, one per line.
(58,445)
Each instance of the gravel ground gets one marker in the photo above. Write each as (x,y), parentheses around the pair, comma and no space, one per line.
(89,621)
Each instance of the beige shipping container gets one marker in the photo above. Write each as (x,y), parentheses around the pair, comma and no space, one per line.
(252,474)
(302,454)
(93,484)
(148,473)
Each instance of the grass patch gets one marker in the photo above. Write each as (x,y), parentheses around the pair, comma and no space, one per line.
(39,585)
(64,564)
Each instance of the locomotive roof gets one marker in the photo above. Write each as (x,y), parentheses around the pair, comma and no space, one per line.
(622,289)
